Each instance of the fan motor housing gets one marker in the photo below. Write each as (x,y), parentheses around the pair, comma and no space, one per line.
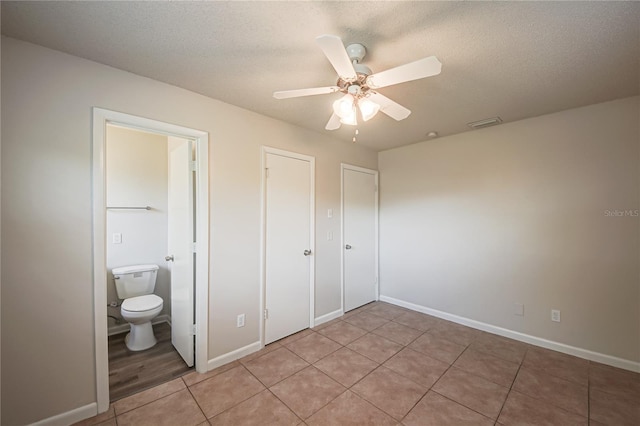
(356,52)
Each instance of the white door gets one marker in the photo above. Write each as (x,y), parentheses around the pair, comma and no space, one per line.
(181,226)
(359,216)
(288,245)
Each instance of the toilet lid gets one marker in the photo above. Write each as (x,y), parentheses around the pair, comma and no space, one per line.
(142,303)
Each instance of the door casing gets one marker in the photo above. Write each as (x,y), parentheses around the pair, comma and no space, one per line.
(263,243)
(343,167)
(102,117)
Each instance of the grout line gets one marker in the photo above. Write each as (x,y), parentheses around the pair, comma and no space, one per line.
(198,404)
(512,383)
(468,408)
(286,405)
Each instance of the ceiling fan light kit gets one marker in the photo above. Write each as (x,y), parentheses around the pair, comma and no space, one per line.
(357,82)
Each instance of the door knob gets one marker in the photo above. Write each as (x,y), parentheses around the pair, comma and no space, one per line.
(307,252)
(169,258)
(348,247)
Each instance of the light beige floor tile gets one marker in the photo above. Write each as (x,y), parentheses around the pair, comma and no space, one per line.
(386,310)
(195,377)
(418,367)
(346,366)
(436,410)
(416,320)
(176,409)
(615,381)
(134,401)
(488,366)
(375,347)
(276,366)
(522,410)
(260,409)
(225,390)
(553,390)
(397,333)
(366,321)
(614,409)
(472,391)
(437,347)
(558,364)
(392,393)
(501,347)
(342,332)
(307,391)
(350,410)
(313,347)
(455,333)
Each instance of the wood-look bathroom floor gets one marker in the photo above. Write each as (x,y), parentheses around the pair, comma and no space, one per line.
(131,372)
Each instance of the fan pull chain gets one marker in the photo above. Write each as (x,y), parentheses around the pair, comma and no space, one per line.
(354,136)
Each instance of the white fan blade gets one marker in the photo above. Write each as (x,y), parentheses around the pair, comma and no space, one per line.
(412,71)
(389,107)
(336,54)
(284,94)
(333,123)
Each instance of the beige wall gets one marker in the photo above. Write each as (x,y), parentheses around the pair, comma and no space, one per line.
(137,174)
(472,224)
(47,311)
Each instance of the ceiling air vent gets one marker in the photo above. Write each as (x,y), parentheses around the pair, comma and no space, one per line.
(485,123)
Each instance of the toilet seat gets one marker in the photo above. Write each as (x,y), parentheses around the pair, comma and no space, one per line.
(148,302)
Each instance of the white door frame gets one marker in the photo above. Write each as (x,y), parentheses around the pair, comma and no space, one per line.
(343,167)
(102,117)
(263,230)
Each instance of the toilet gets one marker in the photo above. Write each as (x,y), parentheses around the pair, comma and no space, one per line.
(135,284)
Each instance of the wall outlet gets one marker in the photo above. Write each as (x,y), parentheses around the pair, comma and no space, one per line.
(116,238)
(329,236)
(240,321)
(555,315)
(330,213)
(518,309)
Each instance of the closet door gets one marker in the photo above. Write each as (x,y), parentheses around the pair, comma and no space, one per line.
(360,236)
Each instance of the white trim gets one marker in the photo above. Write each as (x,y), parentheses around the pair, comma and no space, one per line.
(233,355)
(515,335)
(328,317)
(70,417)
(102,117)
(376,174)
(312,234)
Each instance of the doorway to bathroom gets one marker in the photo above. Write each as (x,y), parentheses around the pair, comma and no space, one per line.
(150,186)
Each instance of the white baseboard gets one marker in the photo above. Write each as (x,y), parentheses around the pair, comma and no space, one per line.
(533,340)
(328,317)
(70,417)
(233,355)
(125,327)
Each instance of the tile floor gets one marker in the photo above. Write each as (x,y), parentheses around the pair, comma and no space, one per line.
(382,364)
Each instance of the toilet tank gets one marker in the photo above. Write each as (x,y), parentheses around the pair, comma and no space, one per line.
(135,280)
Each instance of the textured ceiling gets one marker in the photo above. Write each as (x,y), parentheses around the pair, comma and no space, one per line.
(509,59)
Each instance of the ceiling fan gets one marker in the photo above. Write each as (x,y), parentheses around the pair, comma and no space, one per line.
(359,85)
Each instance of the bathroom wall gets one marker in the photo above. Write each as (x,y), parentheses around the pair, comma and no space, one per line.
(137,175)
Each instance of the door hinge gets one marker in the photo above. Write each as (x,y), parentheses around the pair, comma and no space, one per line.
(192,166)
(194,247)
(266,314)
(375,188)
(193,330)
(266,172)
